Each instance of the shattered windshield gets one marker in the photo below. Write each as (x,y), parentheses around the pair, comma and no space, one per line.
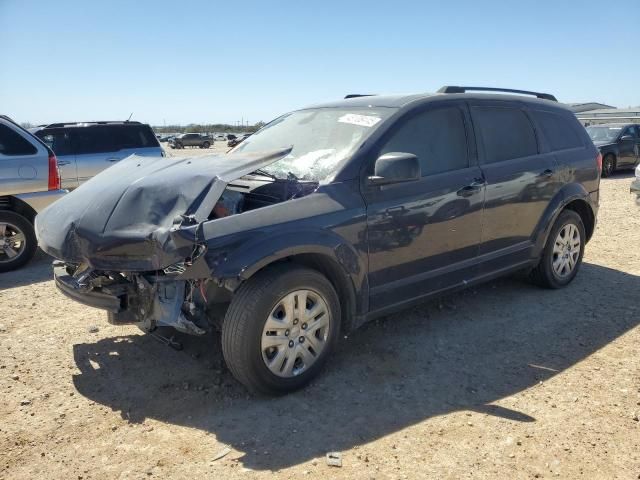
(322,139)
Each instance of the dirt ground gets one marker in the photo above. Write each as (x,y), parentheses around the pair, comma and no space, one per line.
(503,381)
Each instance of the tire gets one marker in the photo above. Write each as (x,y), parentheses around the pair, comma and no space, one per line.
(244,330)
(206,145)
(545,274)
(608,165)
(12,224)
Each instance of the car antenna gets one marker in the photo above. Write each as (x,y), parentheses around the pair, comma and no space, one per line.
(130,116)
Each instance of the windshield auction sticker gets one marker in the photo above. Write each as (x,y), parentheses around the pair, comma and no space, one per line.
(361,120)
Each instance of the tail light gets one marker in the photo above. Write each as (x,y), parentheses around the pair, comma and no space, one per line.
(599,162)
(54,173)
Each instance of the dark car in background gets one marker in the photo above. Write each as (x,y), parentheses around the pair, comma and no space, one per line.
(619,144)
(84,149)
(237,140)
(328,217)
(191,140)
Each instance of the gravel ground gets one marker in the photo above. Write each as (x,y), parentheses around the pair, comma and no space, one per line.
(503,381)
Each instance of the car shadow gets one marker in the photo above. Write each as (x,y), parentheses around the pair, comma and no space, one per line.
(621,175)
(463,352)
(36,271)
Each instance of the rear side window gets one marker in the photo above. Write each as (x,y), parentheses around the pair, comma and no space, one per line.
(506,133)
(134,136)
(57,140)
(12,143)
(112,138)
(437,137)
(559,131)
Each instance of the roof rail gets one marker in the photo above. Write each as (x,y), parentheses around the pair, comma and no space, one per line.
(454,89)
(356,95)
(101,122)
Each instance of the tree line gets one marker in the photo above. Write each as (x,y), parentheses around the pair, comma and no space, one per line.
(207,128)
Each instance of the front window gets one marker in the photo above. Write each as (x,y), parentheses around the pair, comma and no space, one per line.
(603,134)
(322,139)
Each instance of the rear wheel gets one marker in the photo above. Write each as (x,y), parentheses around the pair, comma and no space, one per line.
(18,241)
(608,165)
(206,145)
(563,252)
(280,329)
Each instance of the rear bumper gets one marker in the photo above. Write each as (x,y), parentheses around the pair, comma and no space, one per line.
(41,200)
(635,186)
(69,287)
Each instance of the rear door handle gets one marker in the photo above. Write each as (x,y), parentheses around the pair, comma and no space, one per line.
(547,173)
(63,162)
(113,159)
(471,189)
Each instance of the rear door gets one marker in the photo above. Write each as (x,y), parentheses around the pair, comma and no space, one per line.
(520,182)
(96,149)
(58,140)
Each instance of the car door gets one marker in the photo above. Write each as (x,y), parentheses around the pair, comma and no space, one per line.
(628,147)
(520,182)
(636,129)
(96,149)
(423,236)
(58,140)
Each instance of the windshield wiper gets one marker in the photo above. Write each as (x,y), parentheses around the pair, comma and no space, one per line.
(264,173)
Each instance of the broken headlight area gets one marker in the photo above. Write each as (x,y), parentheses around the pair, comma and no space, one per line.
(148,300)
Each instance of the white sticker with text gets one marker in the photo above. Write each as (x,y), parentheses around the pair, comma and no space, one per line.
(361,120)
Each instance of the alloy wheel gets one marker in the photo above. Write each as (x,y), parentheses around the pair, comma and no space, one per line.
(566,250)
(12,242)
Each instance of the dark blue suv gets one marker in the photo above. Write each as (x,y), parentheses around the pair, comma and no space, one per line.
(330,216)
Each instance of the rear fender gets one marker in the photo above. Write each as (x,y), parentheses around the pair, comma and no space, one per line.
(566,195)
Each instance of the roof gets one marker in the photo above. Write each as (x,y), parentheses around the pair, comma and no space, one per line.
(397,101)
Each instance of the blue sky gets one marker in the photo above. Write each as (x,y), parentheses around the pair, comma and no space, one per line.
(208,61)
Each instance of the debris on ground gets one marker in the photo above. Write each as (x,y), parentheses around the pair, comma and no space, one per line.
(222,453)
(334,459)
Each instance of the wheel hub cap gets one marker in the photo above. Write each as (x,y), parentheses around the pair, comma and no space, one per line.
(295,333)
(566,250)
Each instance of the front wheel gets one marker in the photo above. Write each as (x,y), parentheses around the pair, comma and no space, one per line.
(18,241)
(280,329)
(562,254)
(206,145)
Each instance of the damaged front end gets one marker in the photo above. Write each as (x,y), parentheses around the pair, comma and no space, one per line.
(130,240)
(146,300)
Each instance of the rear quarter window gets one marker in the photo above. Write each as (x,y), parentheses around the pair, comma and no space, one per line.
(12,143)
(559,131)
(505,132)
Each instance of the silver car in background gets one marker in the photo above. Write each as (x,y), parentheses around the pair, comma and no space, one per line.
(84,149)
(29,182)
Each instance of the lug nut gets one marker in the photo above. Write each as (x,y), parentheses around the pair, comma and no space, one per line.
(304,326)
(286,333)
(295,321)
(301,339)
(291,344)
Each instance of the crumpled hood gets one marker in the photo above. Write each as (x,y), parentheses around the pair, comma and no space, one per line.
(126,218)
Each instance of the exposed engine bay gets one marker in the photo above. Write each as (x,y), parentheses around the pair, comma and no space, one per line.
(257,190)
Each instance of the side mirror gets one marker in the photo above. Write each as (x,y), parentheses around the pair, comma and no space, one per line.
(395,167)
(626,138)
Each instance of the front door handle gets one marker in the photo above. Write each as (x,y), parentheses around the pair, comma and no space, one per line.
(113,160)
(471,189)
(63,162)
(547,173)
